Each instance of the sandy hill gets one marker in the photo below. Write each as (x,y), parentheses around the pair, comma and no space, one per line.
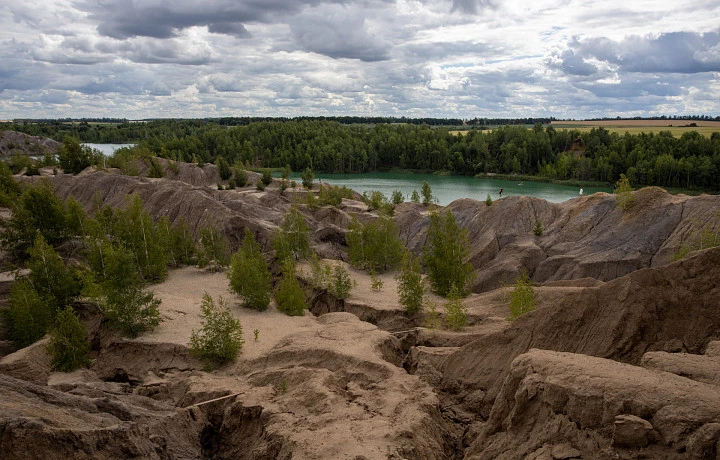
(619,360)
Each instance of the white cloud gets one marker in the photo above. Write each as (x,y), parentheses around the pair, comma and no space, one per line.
(447,58)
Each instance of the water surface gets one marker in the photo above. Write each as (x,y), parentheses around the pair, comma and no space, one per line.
(450,188)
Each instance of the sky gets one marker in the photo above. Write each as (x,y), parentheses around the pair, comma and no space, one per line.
(140,59)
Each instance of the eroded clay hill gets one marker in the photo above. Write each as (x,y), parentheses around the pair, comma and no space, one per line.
(620,360)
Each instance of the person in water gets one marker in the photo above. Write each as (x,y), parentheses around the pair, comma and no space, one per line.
(581,192)
(501,190)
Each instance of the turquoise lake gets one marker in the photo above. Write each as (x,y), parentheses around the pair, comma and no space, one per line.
(450,188)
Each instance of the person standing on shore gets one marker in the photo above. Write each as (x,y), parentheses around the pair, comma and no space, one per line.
(501,190)
(581,191)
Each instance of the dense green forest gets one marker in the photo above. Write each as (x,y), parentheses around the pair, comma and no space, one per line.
(690,161)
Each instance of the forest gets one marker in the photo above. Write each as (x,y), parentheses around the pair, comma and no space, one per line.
(691,161)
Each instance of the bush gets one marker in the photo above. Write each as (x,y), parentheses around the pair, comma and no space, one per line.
(445,253)
(128,307)
(29,316)
(522,299)
(291,240)
(426,192)
(397,197)
(488,201)
(249,275)
(223,168)
(340,283)
(285,172)
(375,245)
(214,249)
(411,286)
(375,282)
(307,178)
(266,177)
(455,312)
(68,346)
(289,296)
(623,191)
(415,198)
(538,229)
(221,338)
(74,157)
(241,177)
(51,279)
(155,169)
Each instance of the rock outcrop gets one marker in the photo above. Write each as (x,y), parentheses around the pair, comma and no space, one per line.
(15,143)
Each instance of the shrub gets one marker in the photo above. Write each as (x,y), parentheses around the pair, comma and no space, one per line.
(538,229)
(249,275)
(340,283)
(375,282)
(411,286)
(415,198)
(155,169)
(223,168)
(128,307)
(74,157)
(374,245)
(432,317)
(445,253)
(259,186)
(221,338)
(426,192)
(397,197)
(29,315)
(623,191)
(285,172)
(289,296)
(455,312)
(214,249)
(488,201)
(51,279)
(68,346)
(307,178)
(241,177)
(291,240)
(266,178)
(522,299)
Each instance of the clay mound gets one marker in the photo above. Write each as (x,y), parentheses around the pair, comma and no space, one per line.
(582,238)
(15,143)
(229,210)
(597,408)
(672,308)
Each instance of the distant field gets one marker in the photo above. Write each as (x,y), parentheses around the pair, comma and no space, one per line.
(676,127)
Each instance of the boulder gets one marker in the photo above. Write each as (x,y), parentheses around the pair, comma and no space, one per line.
(631,431)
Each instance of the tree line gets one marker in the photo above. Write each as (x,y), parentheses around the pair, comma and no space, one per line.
(690,161)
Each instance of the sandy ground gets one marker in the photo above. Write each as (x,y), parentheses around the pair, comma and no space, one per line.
(181,295)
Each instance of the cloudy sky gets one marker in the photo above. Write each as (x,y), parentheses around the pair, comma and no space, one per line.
(416,58)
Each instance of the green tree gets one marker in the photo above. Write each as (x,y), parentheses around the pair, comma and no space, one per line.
(426,192)
(289,296)
(29,315)
(214,249)
(340,283)
(136,230)
(415,198)
(623,191)
(522,299)
(397,197)
(68,346)
(291,239)
(445,253)
(307,178)
(249,275)
(221,337)
(374,245)
(154,170)
(410,284)
(9,189)
(241,177)
(488,200)
(38,209)
(51,279)
(455,312)
(74,157)
(266,177)
(223,168)
(285,172)
(128,307)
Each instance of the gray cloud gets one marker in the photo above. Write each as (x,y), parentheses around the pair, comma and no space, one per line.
(337,33)
(677,52)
